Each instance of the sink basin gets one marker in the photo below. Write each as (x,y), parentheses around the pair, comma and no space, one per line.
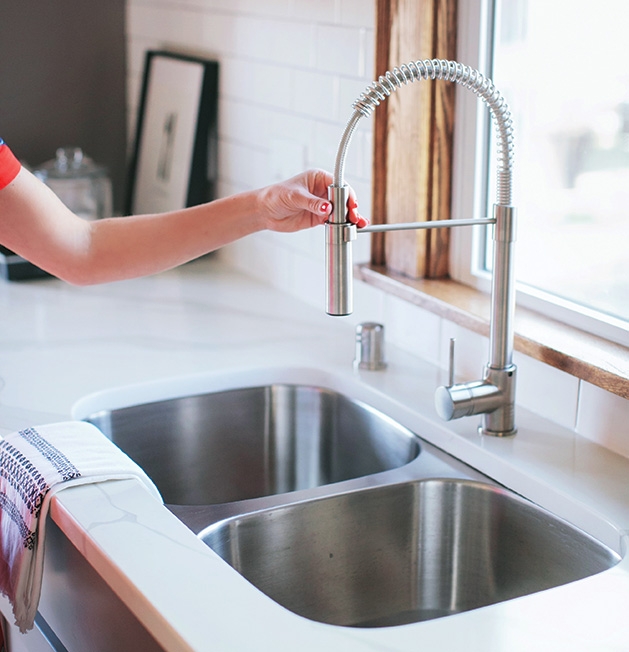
(339,513)
(246,443)
(403,553)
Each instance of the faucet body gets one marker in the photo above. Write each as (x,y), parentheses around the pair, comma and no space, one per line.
(339,233)
(493,396)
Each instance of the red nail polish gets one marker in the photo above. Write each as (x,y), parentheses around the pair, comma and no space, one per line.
(325,207)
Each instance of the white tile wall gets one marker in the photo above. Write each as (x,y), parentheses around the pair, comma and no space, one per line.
(604,418)
(290,70)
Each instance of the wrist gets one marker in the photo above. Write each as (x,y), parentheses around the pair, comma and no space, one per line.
(261,200)
(244,210)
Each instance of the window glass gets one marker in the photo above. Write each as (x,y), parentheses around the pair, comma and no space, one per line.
(564,69)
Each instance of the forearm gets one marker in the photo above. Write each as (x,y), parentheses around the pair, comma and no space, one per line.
(36,225)
(145,244)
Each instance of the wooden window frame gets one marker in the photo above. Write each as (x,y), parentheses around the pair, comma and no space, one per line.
(414,138)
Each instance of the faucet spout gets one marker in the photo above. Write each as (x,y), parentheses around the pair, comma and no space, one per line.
(494,395)
(339,234)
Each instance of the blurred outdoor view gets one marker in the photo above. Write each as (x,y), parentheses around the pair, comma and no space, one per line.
(564,69)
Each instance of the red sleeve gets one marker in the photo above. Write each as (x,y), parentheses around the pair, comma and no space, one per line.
(9,165)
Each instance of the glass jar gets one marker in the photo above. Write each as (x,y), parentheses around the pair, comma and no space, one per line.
(82,185)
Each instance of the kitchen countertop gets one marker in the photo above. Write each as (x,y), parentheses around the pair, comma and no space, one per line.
(204,327)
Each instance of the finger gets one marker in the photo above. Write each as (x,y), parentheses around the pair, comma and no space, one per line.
(356,218)
(318,181)
(352,213)
(324,208)
(311,203)
(362,222)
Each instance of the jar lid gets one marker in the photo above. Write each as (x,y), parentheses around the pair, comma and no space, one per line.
(70,163)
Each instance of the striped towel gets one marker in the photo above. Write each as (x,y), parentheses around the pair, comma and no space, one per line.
(34,464)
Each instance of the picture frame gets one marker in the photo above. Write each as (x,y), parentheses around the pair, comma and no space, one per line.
(175,159)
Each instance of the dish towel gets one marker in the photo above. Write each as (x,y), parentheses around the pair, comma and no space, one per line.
(35,464)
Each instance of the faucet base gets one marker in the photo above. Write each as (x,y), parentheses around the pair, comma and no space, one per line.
(497,433)
(500,422)
(493,398)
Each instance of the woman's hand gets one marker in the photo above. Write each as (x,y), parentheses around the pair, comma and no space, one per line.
(301,202)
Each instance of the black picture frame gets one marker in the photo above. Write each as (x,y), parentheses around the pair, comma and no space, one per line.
(175,156)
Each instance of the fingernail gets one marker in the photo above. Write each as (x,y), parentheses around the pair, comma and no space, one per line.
(325,207)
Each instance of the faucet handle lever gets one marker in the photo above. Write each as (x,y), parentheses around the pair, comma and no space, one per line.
(451,362)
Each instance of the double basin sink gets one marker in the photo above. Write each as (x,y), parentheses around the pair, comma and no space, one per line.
(339,513)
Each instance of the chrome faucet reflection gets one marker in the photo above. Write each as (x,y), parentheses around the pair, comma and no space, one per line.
(493,396)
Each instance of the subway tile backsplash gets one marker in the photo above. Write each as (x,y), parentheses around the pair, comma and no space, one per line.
(290,70)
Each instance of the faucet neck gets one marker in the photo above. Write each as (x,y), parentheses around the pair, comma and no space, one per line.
(502,288)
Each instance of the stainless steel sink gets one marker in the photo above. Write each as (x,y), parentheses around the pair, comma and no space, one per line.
(405,553)
(339,513)
(246,443)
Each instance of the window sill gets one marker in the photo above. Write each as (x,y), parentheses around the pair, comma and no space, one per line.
(590,358)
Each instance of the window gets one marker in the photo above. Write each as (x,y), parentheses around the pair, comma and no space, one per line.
(413,132)
(563,69)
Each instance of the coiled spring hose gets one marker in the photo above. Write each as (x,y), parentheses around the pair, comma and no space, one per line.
(446,70)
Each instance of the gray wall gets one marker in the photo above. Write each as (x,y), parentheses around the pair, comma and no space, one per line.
(62,81)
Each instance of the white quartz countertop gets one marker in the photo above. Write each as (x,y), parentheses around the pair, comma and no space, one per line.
(204,327)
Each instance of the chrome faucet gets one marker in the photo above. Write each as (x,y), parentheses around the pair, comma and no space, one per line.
(493,397)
